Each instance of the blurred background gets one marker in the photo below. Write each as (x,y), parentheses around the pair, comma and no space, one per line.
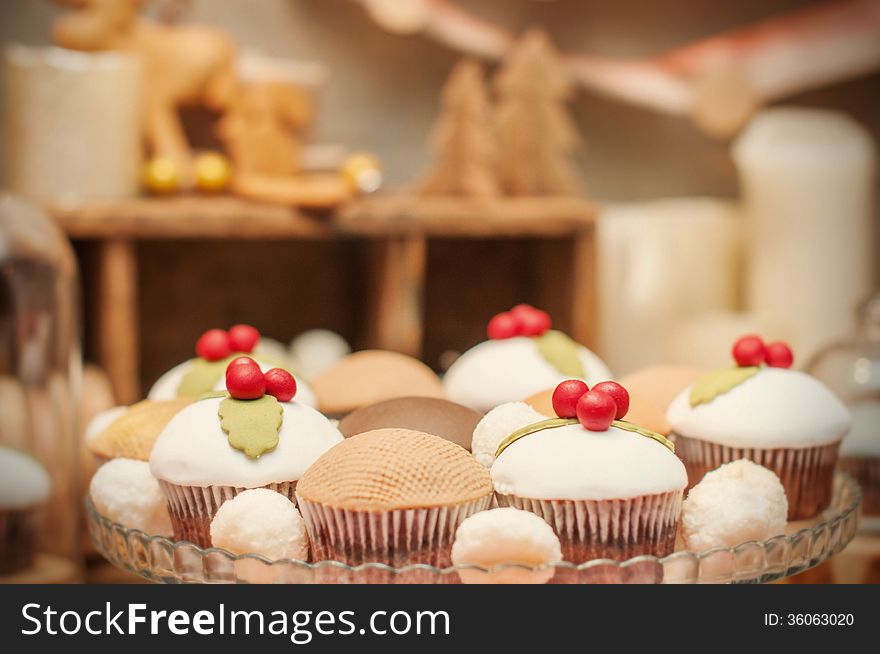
(707,169)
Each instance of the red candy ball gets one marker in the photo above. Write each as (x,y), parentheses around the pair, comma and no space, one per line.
(213,345)
(596,410)
(618,393)
(502,326)
(566,396)
(749,351)
(280,384)
(244,380)
(779,355)
(243,338)
(532,321)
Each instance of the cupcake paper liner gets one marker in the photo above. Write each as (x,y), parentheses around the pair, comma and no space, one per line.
(395,538)
(192,507)
(866,471)
(806,474)
(608,529)
(17,534)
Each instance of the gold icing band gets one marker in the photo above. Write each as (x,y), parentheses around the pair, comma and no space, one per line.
(551,423)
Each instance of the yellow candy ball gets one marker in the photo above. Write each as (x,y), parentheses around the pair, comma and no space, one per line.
(161,175)
(362,172)
(213,172)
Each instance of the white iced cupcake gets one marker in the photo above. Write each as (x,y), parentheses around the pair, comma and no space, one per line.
(215,349)
(518,362)
(505,536)
(782,419)
(124,491)
(738,502)
(219,446)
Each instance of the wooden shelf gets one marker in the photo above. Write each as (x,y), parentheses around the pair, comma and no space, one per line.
(187,217)
(399,227)
(402,215)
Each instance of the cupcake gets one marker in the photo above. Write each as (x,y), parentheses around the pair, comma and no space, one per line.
(130,432)
(523,356)
(204,374)
(608,488)
(24,486)
(761,410)
(252,436)
(431,415)
(393,496)
(371,376)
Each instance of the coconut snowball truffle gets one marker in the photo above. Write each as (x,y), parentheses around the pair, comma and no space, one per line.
(738,502)
(496,425)
(523,356)
(490,538)
(261,521)
(124,491)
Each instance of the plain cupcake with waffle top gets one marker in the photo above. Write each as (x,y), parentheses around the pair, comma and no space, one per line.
(523,356)
(252,435)
(763,411)
(608,488)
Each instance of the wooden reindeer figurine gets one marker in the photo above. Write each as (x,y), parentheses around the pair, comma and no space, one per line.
(185,66)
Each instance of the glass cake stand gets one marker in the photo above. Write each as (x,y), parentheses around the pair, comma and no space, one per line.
(805,545)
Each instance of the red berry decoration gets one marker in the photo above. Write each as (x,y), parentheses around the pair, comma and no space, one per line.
(213,345)
(532,321)
(749,351)
(245,381)
(566,396)
(596,410)
(618,393)
(779,355)
(280,384)
(243,338)
(502,326)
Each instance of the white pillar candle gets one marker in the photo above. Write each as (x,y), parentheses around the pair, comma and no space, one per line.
(73,127)
(807,179)
(660,263)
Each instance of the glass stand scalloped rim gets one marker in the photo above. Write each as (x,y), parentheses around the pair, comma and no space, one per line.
(166,561)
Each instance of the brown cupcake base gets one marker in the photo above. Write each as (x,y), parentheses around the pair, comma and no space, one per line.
(806,474)
(17,535)
(608,529)
(192,508)
(866,471)
(395,538)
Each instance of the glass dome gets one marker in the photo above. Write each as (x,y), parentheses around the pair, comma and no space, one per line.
(40,365)
(851,368)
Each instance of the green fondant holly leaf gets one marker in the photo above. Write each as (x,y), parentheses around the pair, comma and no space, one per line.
(201,377)
(560,351)
(713,384)
(628,426)
(251,425)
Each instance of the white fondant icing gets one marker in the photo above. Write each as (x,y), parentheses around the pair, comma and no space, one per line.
(510,370)
(166,386)
(863,439)
(101,421)
(573,463)
(193,450)
(776,408)
(24,482)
